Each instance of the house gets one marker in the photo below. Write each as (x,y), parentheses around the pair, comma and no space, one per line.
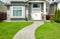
(20,9)
(3,11)
(31,9)
(2,7)
(51,6)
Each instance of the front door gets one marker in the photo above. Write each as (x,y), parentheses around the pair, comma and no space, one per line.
(35,12)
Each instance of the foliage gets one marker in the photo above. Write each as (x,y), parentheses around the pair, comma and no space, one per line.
(51,18)
(57,15)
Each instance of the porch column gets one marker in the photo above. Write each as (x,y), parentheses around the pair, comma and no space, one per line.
(26,12)
(44,11)
(8,15)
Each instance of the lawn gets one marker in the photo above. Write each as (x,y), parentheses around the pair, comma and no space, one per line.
(48,31)
(9,29)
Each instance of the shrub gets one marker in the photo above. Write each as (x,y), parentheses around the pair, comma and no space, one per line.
(57,15)
(51,18)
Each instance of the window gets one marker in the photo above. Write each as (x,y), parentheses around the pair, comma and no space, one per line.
(36,5)
(17,11)
(52,0)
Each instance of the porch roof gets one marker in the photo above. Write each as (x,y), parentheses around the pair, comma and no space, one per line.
(36,1)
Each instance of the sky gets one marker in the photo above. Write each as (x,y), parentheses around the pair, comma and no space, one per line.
(4,1)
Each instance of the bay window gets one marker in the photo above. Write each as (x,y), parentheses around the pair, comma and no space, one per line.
(17,11)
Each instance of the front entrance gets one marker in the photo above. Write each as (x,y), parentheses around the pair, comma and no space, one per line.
(35,12)
(36,16)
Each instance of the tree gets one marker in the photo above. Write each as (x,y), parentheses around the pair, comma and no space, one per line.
(57,15)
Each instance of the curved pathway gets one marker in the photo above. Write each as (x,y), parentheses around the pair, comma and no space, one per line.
(28,32)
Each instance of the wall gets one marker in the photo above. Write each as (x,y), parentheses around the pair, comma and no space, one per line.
(58,5)
(2,7)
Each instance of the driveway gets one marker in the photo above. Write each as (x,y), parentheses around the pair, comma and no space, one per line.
(28,32)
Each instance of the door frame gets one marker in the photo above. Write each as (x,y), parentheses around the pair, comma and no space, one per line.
(35,8)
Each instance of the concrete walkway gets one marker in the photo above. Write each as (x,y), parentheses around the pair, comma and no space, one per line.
(28,32)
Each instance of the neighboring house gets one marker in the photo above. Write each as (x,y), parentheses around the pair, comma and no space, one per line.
(2,7)
(52,5)
(31,9)
(3,11)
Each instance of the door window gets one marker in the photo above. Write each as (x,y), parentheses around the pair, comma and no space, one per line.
(36,5)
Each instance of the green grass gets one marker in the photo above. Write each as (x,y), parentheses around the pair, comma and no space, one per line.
(9,29)
(48,31)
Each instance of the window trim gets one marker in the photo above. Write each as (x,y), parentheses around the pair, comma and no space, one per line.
(16,14)
(11,12)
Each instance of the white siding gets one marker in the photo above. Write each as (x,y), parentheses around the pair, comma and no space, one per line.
(58,6)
